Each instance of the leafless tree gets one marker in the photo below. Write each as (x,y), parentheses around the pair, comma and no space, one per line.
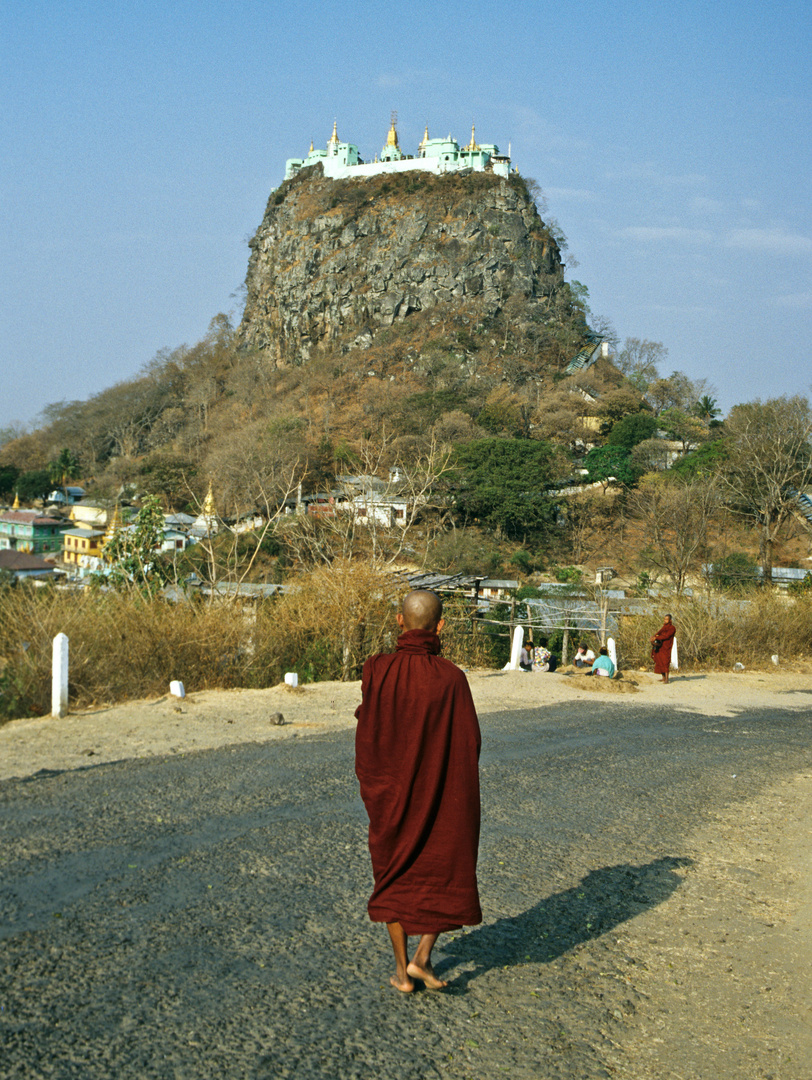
(676,517)
(769,462)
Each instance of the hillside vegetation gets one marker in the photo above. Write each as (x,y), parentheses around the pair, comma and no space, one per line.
(424,322)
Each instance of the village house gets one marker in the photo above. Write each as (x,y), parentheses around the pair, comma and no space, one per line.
(30,531)
(80,545)
(66,496)
(497,588)
(89,517)
(23,565)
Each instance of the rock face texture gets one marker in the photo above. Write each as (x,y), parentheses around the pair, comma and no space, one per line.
(334,261)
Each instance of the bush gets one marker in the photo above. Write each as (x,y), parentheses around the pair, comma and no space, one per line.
(568,575)
(736,571)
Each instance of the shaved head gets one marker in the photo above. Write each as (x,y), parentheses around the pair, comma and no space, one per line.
(422,610)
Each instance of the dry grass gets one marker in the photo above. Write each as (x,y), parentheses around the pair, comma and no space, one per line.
(123,647)
(329,622)
(120,647)
(717,632)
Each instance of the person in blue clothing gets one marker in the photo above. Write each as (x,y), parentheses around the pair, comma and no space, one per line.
(603,664)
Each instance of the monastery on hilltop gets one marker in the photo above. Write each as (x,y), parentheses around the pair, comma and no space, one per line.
(342,161)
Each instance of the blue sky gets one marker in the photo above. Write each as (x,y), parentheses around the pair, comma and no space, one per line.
(140,143)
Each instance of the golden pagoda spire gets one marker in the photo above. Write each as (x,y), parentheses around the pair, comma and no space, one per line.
(111,530)
(334,137)
(472,146)
(311,146)
(112,525)
(392,137)
(425,138)
(208,503)
(16,505)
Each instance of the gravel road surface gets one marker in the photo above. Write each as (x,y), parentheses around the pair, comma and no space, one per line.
(204,914)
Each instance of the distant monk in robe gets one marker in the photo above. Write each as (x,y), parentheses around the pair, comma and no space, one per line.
(661,653)
(417,761)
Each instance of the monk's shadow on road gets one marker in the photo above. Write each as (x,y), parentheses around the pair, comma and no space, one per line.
(553,926)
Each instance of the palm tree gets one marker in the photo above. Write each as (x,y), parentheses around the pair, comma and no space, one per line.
(62,469)
(707,408)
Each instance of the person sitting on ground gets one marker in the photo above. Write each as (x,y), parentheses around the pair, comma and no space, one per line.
(526,656)
(584,657)
(544,659)
(603,664)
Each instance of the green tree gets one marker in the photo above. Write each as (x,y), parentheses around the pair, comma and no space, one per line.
(707,408)
(632,430)
(8,479)
(682,427)
(34,484)
(706,460)
(611,463)
(62,469)
(618,404)
(133,551)
(501,483)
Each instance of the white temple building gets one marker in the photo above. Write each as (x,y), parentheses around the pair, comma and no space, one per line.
(341,160)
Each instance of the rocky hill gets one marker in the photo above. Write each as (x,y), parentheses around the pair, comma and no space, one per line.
(417,305)
(334,261)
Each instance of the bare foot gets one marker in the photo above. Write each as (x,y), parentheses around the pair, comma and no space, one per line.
(426,975)
(404,985)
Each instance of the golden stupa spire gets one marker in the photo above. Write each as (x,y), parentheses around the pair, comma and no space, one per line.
(425,138)
(208,503)
(112,525)
(334,137)
(472,145)
(392,137)
(16,505)
(311,146)
(111,530)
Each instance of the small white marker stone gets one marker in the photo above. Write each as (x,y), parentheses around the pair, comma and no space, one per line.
(59,677)
(177,689)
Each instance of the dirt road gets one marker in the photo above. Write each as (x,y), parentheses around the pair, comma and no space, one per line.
(644,869)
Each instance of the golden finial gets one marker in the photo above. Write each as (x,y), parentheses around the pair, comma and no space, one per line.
(334,136)
(111,530)
(16,505)
(311,146)
(208,503)
(392,137)
(473,145)
(112,525)
(425,138)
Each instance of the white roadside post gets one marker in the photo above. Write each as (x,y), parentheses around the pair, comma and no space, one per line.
(59,678)
(516,650)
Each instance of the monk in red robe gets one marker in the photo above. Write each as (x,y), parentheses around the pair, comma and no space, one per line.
(661,654)
(417,761)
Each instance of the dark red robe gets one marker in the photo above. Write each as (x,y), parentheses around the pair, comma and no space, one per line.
(417,760)
(662,658)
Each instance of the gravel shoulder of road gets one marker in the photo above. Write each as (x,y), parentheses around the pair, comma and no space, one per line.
(209,719)
(719,972)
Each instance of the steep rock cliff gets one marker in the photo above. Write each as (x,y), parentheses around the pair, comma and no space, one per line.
(336,260)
